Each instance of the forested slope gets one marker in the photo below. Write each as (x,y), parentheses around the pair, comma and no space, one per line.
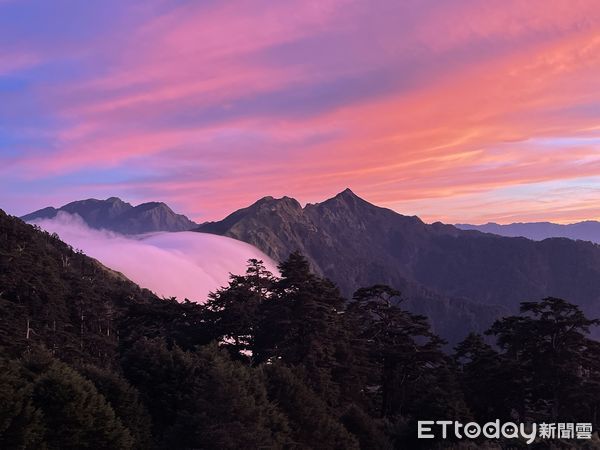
(90,360)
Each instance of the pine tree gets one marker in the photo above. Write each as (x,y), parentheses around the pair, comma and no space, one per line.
(21,422)
(549,343)
(232,314)
(301,325)
(492,385)
(313,423)
(124,399)
(202,399)
(75,414)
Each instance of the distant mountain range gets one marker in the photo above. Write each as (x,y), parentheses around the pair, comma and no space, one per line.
(116,215)
(538,231)
(461,279)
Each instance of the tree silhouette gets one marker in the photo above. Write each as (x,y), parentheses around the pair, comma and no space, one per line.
(549,343)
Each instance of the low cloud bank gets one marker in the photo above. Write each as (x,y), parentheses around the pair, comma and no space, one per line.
(183,265)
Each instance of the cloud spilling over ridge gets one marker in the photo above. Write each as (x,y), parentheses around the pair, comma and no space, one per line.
(185,265)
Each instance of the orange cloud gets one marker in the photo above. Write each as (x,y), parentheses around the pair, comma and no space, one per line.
(412,104)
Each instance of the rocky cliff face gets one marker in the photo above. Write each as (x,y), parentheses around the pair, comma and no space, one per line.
(461,279)
(116,215)
(345,238)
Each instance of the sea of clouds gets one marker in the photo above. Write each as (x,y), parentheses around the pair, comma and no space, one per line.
(183,265)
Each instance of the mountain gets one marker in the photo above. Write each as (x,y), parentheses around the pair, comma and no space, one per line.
(58,294)
(116,215)
(538,231)
(460,279)
(86,356)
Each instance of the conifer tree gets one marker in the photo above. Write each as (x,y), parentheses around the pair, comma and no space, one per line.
(492,385)
(411,376)
(21,422)
(75,415)
(232,314)
(313,423)
(202,399)
(549,343)
(124,399)
(301,325)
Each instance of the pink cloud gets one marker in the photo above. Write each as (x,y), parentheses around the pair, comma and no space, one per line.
(417,102)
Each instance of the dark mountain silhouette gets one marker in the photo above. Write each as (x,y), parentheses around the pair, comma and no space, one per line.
(48,287)
(538,231)
(116,215)
(87,356)
(459,279)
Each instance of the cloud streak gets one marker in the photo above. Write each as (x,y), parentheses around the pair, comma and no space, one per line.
(210,105)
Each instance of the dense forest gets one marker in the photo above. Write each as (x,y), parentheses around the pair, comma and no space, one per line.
(90,360)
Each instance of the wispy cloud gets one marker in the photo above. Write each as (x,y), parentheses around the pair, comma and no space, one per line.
(214,104)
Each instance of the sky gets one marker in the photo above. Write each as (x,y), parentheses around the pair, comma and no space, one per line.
(453,110)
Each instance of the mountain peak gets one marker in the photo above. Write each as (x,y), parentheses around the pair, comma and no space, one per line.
(153,205)
(270,201)
(347,193)
(116,215)
(265,199)
(346,199)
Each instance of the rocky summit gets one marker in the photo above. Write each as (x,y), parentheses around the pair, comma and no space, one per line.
(462,280)
(116,215)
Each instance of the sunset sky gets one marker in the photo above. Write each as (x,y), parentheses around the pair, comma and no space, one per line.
(460,111)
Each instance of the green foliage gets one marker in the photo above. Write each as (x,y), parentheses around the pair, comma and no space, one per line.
(52,406)
(368,431)
(557,361)
(76,415)
(55,297)
(492,384)
(124,399)
(313,423)
(21,423)
(233,313)
(179,323)
(202,399)
(89,360)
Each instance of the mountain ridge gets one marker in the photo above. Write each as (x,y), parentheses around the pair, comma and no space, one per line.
(448,314)
(587,230)
(461,279)
(116,215)
(440,268)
